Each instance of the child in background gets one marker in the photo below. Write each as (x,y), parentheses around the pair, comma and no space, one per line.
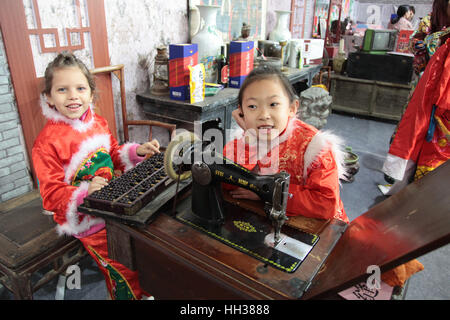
(276,140)
(74,155)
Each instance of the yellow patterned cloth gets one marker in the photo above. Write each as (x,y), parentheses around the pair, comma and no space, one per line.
(424,44)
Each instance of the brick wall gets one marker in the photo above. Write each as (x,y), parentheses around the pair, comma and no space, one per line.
(15,179)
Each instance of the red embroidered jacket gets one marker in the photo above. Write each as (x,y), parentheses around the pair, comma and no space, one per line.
(63,148)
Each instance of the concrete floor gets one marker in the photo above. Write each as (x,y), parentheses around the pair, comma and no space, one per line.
(369,139)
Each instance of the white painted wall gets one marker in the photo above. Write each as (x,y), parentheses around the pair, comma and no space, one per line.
(135,28)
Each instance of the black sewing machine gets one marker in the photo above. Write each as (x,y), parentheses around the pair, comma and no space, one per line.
(188,156)
(211,169)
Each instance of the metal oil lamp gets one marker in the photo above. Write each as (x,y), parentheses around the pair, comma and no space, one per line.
(160,85)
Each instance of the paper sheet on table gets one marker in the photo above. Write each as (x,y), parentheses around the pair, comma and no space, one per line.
(362,292)
(384,188)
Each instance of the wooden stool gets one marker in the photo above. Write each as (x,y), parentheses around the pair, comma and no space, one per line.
(29,243)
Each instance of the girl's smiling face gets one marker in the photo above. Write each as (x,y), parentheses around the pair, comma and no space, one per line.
(70,93)
(266,108)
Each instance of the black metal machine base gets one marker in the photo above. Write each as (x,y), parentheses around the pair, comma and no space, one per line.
(246,231)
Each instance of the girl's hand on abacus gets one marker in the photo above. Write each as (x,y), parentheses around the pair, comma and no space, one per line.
(96,184)
(149,148)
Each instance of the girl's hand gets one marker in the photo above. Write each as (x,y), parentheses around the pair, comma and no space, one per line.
(238,117)
(241,193)
(149,148)
(96,184)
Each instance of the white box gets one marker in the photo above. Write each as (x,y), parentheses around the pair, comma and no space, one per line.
(311,49)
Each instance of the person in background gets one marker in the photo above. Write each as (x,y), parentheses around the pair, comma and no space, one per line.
(348,27)
(422,141)
(345,27)
(433,31)
(402,20)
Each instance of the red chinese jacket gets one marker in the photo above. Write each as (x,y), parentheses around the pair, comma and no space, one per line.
(66,155)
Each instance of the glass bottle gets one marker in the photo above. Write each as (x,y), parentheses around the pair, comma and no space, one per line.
(222,73)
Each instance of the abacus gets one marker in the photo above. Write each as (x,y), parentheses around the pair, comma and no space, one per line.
(132,191)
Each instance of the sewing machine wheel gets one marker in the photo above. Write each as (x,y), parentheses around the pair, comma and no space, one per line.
(173,152)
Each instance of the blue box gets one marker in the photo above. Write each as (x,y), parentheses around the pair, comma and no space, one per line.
(180,57)
(241,62)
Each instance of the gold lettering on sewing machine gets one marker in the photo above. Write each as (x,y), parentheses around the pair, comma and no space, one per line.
(219,173)
(242,182)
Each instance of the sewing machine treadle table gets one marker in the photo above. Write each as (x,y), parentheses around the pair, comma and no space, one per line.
(175,261)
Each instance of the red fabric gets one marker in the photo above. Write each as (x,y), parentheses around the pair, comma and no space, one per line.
(317,196)
(399,275)
(98,242)
(376,241)
(433,89)
(58,152)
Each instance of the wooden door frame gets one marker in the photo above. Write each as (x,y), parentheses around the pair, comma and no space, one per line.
(294,6)
(26,90)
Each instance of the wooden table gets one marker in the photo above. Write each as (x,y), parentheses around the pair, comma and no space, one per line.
(200,267)
(184,114)
(176,261)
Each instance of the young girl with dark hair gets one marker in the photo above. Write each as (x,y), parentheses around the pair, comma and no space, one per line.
(275,140)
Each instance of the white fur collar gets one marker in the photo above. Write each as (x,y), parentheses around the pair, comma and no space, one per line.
(321,142)
(78,125)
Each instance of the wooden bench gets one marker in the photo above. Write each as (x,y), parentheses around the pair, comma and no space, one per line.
(29,243)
